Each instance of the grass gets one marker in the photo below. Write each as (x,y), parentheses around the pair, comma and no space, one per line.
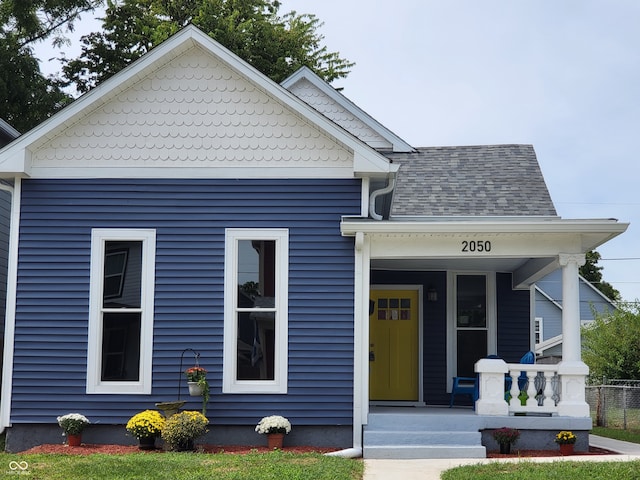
(546,471)
(275,465)
(556,470)
(618,434)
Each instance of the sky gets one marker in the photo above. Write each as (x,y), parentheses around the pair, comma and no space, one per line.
(563,76)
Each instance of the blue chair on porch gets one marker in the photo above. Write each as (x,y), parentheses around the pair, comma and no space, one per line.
(464,386)
(468,386)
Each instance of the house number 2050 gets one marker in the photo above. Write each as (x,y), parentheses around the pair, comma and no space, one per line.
(476,246)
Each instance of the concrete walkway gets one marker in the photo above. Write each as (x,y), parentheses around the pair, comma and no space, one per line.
(431,469)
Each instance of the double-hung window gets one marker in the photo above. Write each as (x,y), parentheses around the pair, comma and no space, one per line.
(255,311)
(120,348)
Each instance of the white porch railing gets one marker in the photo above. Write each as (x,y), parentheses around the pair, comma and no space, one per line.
(542,384)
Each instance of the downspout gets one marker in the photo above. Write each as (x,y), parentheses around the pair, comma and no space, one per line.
(383,191)
(357,450)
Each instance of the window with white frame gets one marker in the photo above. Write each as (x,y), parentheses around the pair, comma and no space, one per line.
(472,332)
(122,276)
(537,330)
(255,311)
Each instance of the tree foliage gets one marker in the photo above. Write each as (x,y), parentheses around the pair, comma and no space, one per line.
(26,96)
(252,29)
(35,20)
(611,344)
(592,272)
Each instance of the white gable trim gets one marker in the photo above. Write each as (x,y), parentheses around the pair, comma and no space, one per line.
(305,73)
(15,158)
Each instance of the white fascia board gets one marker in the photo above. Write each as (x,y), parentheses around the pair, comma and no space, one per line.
(550,342)
(588,284)
(14,159)
(8,129)
(399,145)
(548,297)
(198,172)
(605,228)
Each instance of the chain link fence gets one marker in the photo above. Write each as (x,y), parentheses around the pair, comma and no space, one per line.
(615,404)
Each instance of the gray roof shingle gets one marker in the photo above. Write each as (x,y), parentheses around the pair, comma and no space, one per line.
(485,180)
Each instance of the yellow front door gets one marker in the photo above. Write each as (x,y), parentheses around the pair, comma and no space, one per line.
(393,345)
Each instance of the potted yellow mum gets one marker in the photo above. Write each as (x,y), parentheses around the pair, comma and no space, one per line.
(146,427)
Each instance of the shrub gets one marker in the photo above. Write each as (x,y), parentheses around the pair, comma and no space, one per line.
(183,428)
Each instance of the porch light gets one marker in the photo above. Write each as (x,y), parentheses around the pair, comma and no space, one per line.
(432,294)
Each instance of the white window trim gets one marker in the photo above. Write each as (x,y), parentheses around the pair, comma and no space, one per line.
(230,384)
(538,322)
(99,237)
(492,321)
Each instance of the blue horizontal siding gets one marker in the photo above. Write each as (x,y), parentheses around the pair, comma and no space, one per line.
(190,217)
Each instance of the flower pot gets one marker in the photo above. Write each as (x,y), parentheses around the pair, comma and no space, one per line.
(147,443)
(566,449)
(74,440)
(186,446)
(195,390)
(505,448)
(275,440)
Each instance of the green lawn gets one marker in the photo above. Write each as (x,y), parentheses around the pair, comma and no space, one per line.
(556,470)
(275,465)
(546,471)
(618,434)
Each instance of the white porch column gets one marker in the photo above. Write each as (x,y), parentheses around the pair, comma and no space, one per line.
(572,370)
(361,337)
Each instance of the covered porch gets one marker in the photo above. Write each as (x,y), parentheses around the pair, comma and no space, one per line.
(522,250)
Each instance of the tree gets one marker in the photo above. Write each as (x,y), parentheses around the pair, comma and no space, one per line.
(252,29)
(36,20)
(26,96)
(593,274)
(611,344)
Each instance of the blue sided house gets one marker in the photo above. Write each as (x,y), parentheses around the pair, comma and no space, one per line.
(322,268)
(548,313)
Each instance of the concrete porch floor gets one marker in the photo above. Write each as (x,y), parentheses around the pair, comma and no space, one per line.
(458,432)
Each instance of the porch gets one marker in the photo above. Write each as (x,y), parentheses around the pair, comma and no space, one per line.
(539,411)
(442,432)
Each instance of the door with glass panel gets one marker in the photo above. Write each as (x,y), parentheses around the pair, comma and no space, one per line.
(471,327)
(393,345)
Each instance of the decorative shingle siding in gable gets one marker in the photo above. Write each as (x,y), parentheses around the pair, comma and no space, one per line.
(189,217)
(332,110)
(193,112)
(490,180)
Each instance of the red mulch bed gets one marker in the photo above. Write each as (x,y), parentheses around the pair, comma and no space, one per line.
(546,453)
(87,449)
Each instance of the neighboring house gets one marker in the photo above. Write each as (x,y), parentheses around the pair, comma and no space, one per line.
(548,313)
(324,269)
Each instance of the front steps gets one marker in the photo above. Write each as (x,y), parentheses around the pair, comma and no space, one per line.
(415,433)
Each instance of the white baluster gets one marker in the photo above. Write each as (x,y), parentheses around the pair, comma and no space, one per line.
(515,391)
(548,390)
